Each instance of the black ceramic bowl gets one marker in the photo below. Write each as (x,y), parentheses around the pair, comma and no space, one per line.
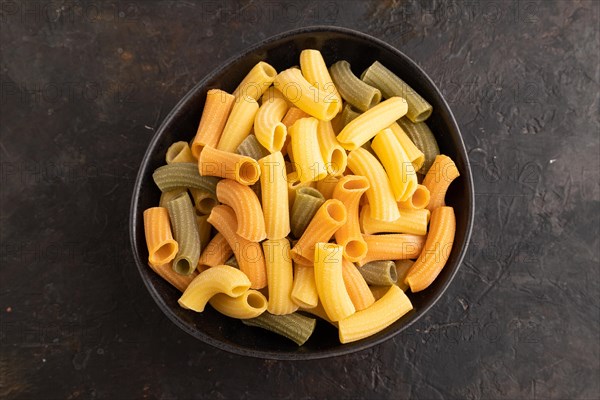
(282,51)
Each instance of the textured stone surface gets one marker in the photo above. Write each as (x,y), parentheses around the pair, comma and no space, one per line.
(84,86)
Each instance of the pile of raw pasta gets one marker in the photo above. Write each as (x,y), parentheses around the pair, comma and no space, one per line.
(305,193)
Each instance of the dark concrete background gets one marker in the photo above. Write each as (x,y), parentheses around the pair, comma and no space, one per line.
(85,85)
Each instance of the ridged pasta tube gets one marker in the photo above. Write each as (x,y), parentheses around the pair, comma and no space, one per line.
(306,203)
(242,169)
(247,208)
(349,191)
(439,177)
(356,92)
(162,248)
(214,117)
(308,159)
(356,286)
(239,124)
(379,273)
(280,276)
(256,82)
(179,152)
(410,221)
(274,190)
(183,219)
(334,155)
(330,282)
(315,71)
(183,175)
(395,246)
(268,128)
(295,327)
(250,304)
(420,134)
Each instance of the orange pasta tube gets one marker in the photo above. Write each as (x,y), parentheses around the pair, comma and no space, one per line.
(216,252)
(357,287)
(247,208)
(162,248)
(436,252)
(249,254)
(257,81)
(333,153)
(380,194)
(328,219)
(214,117)
(242,169)
(397,246)
(410,221)
(418,201)
(274,191)
(441,174)
(293,115)
(165,271)
(349,191)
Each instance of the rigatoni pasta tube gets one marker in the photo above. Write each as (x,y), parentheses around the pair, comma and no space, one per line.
(395,246)
(410,221)
(329,218)
(280,276)
(419,199)
(327,185)
(242,169)
(183,175)
(219,279)
(204,229)
(214,117)
(305,96)
(334,155)
(330,282)
(204,200)
(416,156)
(439,177)
(295,326)
(250,304)
(162,248)
(216,252)
(379,272)
(268,128)
(306,203)
(183,219)
(292,115)
(239,124)
(391,85)
(380,194)
(315,71)
(165,271)
(307,154)
(274,190)
(356,92)
(179,152)
(349,191)
(420,134)
(247,208)
(248,254)
(356,286)
(256,82)
(304,290)
(294,184)
(251,147)
(384,312)
(169,195)
(367,124)
(402,269)
(436,252)
(400,170)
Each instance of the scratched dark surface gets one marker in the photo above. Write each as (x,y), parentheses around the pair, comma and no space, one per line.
(85,85)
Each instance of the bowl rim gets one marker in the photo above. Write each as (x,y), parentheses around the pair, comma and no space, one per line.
(263,354)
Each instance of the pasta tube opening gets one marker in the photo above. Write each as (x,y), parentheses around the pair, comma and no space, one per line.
(355,249)
(248,172)
(337,212)
(256,300)
(179,152)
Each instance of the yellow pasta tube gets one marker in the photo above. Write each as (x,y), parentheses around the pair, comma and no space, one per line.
(214,117)
(256,82)
(162,248)
(328,219)
(418,201)
(268,128)
(319,311)
(274,189)
(436,252)
(304,291)
(179,281)
(395,246)
(384,312)
(439,177)
(294,184)
(179,152)
(334,155)
(327,185)
(216,252)
(248,254)
(247,208)
(271,94)
(330,282)
(349,191)
(356,286)
(315,71)
(242,169)
(305,96)
(307,154)
(250,304)
(280,276)
(416,156)
(400,170)
(239,124)
(410,221)
(361,129)
(380,194)
(219,279)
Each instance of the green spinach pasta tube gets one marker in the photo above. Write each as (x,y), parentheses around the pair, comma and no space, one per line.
(295,327)
(379,273)
(176,175)
(348,114)
(183,219)
(356,92)
(250,147)
(423,138)
(306,203)
(391,85)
